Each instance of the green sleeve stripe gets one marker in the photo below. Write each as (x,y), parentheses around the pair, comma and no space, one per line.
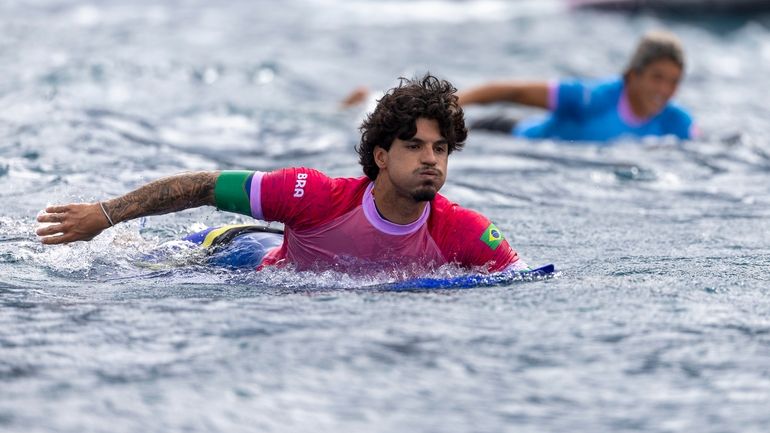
(231,191)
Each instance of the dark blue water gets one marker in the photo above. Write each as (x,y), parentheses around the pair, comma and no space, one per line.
(658,322)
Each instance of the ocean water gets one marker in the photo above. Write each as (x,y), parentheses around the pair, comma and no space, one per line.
(659,320)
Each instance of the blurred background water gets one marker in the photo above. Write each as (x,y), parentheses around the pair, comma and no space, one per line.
(658,322)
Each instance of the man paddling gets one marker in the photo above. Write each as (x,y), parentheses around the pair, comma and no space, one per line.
(635,105)
(392,218)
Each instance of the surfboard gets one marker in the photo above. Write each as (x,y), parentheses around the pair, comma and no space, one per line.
(473,280)
(243,246)
(691,6)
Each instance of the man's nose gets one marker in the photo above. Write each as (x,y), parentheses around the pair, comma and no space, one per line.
(667,87)
(428,156)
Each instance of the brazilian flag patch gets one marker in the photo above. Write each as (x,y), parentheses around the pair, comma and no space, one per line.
(492,237)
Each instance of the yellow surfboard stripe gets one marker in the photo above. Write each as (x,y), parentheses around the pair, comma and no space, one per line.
(212,235)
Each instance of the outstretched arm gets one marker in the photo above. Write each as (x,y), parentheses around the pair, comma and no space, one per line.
(83,221)
(534,94)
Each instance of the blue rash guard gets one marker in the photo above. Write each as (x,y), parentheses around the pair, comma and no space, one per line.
(600,111)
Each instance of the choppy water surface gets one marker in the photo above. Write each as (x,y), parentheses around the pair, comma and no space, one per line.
(658,322)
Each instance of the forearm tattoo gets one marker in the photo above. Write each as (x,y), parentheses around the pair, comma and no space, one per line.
(169,194)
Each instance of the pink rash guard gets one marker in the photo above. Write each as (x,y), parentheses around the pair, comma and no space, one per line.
(333,223)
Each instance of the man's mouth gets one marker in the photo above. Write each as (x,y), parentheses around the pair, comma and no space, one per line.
(430,173)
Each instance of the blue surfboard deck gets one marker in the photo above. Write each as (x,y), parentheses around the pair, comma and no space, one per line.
(473,280)
(245,246)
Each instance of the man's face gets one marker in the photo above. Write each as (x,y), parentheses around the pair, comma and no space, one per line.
(416,168)
(653,86)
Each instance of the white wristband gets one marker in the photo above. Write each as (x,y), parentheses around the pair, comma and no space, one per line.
(101,205)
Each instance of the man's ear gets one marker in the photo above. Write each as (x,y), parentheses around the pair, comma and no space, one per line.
(380,157)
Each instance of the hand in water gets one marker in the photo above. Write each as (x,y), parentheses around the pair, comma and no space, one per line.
(356,97)
(71,222)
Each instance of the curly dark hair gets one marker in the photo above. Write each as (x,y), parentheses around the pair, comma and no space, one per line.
(397,113)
